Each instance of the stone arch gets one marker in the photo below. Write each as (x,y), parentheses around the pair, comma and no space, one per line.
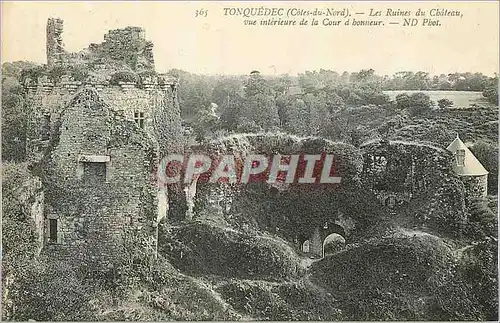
(331,238)
(320,234)
(332,227)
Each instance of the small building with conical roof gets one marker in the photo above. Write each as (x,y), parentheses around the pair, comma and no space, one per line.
(471,171)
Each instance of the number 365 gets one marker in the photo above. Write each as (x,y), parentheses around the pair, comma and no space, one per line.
(201,13)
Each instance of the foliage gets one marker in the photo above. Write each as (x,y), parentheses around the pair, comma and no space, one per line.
(262,110)
(298,118)
(479,267)
(487,154)
(420,103)
(407,80)
(19,236)
(175,296)
(123,76)
(14,69)
(32,73)
(422,280)
(52,292)
(55,73)
(256,84)
(202,248)
(481,221)
(79,73)
(294,301)
(249,127)
(14,120)
(424,131)
(444,103)
(490,92)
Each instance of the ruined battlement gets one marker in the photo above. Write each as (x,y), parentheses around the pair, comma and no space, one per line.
(118,35)
(55,45)
(126,45)
(66,84)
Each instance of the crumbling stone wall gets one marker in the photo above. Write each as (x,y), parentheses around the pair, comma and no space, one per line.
(292,211)
(127,46)
(420,179)
(55,46)
(81,122)
(93,213)
(46,100)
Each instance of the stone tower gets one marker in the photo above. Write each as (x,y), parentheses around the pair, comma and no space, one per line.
(94,140)
(55,45)
(471,171)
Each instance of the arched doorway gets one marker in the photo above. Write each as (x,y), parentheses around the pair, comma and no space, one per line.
(322,236)
(333,243)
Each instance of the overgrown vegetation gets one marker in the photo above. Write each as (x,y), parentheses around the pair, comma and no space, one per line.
(239,259)
(424,278)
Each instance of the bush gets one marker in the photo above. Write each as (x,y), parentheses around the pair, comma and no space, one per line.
(479,267)
(57,72)
(204,249)
(33,73)
(249,127)
(79,73)
(183,298)
(420,280)
(444,103)
(487,154)
(14,116)
(51,292)
(280,302)
(420,103)
(403,101)
(123,76)
(481,222)
(491,91)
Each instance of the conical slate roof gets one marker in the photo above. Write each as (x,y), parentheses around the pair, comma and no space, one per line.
(472,166)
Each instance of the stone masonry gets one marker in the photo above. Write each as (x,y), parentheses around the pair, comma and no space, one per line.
(95,146)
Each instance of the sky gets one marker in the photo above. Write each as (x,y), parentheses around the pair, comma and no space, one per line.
(222,44)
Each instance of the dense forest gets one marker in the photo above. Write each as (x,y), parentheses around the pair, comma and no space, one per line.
(349,107)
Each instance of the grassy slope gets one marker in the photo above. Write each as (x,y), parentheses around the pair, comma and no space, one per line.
(398,275)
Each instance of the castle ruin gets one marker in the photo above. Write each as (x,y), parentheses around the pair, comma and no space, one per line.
(95,141)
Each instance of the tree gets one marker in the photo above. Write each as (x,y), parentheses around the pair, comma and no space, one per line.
(487,154)
(319,115)
(15,69)
(420,103)
(491,90)
(259,106)
(282,84)
(298,118)
(444,103)
(228,95)
(403,101)
(262,110)
(13,120)
(256,84)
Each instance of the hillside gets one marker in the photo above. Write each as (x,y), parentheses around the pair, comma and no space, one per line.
(207,270)
(242,253)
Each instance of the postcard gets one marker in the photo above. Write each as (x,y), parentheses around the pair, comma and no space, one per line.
(250,161)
